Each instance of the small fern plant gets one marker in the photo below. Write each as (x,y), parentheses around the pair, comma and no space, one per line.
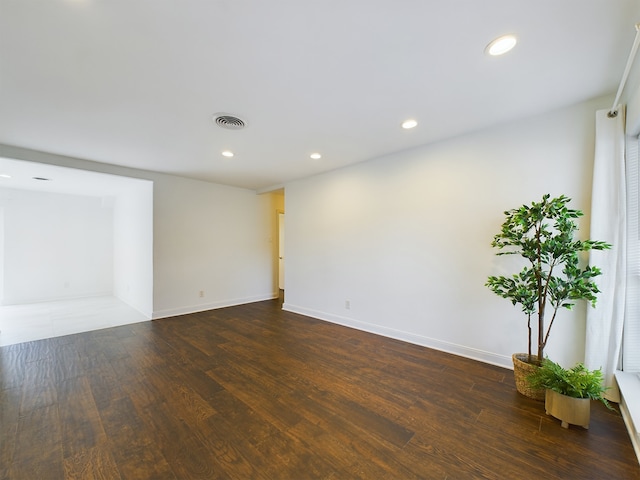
(576,382)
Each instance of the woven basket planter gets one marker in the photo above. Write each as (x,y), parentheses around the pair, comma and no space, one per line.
(521,370)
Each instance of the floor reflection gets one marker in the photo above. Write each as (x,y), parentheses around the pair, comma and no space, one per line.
(24,323)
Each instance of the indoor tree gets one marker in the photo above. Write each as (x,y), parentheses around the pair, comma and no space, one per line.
(543,234)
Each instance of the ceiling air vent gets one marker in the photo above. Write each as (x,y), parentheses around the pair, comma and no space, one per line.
(230,122)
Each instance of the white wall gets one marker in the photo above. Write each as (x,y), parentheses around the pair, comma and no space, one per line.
(133,245)
(1,255)
(206,237)
(56,246)
(405,239)
(212,239)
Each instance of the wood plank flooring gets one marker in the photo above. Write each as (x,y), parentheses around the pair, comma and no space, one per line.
(252,392)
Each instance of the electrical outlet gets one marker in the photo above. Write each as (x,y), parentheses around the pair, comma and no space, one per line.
(201,293)
(347,304)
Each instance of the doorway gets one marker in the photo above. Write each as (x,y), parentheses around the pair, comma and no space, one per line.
(281,251)
(81,246)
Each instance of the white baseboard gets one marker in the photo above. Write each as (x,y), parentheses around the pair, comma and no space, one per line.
(202,307)
(460,350)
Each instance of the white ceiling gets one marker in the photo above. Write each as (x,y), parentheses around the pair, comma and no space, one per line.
(136,82)
(69,181)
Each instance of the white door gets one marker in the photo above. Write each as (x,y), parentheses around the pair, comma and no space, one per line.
(281,251)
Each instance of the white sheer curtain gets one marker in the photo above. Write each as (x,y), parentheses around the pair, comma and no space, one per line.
(608,223)
(631,335)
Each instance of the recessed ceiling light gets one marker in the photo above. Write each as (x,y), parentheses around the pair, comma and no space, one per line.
(407,124)
(4,175)
(315,156)
(227,153)
(501,45)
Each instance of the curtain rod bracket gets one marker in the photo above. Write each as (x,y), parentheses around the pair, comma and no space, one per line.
(632,54)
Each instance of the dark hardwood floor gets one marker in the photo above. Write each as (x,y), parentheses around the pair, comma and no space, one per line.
(251,392)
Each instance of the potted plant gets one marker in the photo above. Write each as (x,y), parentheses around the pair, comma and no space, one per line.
(552,278)
(568,392)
